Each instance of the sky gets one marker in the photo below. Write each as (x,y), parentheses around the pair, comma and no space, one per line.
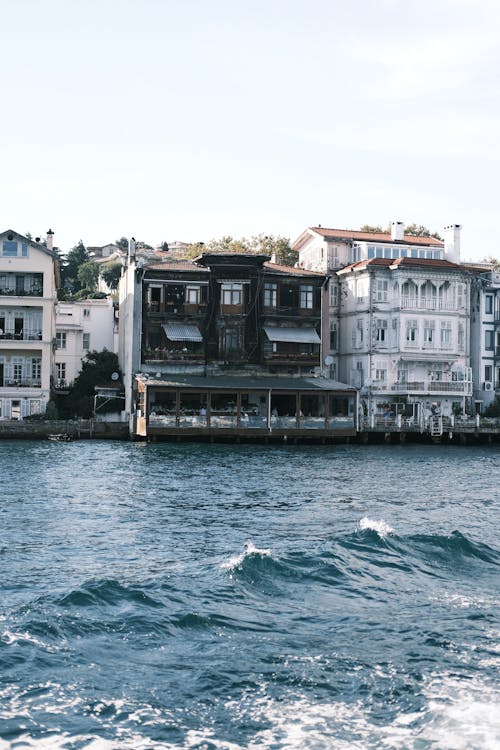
(192,119)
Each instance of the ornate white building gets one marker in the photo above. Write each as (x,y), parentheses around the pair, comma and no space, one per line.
(398,319)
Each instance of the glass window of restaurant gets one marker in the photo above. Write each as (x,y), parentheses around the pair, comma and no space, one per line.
(284,410)
(340,411)
(163,409)
(223,410)
(193,409)
(312,411)
(253,414)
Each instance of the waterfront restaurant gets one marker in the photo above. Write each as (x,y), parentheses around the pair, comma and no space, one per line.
(244,408)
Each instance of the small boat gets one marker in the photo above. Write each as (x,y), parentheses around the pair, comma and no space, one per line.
(61,437)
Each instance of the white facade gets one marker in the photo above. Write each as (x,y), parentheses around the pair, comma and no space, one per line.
(485,338)
(28,288)
(404,337)
(83,326)
(399,319)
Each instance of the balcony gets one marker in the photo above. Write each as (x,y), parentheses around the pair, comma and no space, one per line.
(24,335)
(414,303)
(171,356)
(426,387)
(276,358)
(177,308)
(21,383)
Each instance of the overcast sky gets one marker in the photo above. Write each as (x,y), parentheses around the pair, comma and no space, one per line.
(191,119)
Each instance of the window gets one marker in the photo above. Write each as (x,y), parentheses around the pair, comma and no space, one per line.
(231,340)
(489,340)
(17,369)
(380,375)
(60,340)
(445,334)
(488,304)
(381,331)
(412,331)
(461,337)
(306,297)
(402,376)
(429,332)
(86,341)
(61,373)
(193,295)
(86,312)
(270,295)
(232,294)
(488,372)
(35,406)
(333,335)
(357,335)
(36,368)
(9,249)
(334,294)
(382,288)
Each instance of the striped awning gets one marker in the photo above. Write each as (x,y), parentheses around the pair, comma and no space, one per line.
(307,335)
(182,332)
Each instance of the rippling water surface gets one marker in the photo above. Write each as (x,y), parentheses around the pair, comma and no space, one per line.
(230,597)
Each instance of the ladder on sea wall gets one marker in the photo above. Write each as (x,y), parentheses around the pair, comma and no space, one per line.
(436,426)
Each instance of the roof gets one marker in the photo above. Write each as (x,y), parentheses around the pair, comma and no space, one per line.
(228,383)
(393,263)
(175,265)
(22,238)
(291,270)
(352,234)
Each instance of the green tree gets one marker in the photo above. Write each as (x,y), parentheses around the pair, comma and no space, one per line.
(122,243)
(418,230)
(96,370)
(493,262)
(371,228)
(111,273)
(70,263)
(88,275)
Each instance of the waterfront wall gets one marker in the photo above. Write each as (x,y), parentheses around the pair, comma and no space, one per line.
(78,429)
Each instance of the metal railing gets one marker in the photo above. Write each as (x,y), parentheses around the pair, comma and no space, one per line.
(21,383)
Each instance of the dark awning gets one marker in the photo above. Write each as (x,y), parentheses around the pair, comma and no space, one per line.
(307,335)
(182,332)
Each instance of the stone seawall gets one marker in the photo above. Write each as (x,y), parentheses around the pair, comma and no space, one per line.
(76,429)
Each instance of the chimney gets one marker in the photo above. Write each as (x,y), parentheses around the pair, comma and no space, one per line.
(397,230)
(50,240)
(452,243)
(131,249)
(274,257)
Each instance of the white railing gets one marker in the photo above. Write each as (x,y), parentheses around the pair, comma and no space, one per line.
(414,303)
(462,387)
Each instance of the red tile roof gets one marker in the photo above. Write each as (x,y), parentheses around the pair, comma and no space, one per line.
(175,265)
(352,234)
(394,263)
(291,270)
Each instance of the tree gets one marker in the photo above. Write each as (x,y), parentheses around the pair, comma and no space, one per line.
(122,243)
(88,275)
(96,370)
(261,244)
(418,230)
(70,283)
(111,273)
(371,228)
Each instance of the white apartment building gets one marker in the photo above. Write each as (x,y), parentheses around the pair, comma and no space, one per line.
(398,319)
(83,326)
(29,274)
(485,337)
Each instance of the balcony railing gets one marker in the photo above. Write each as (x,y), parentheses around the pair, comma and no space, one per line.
(162,356)
(34,291)
(414,303)
(290,358)
(462,387)
(25,335)
(159,308)
(22,383)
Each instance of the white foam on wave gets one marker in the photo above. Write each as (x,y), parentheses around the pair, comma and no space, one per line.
(380,527)
(250,549)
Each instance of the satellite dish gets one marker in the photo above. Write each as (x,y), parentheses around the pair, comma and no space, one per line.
(114,376)
(329,360)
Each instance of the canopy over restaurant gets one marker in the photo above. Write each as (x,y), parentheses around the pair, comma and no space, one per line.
(243,407)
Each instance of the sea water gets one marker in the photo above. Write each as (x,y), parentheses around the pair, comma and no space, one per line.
(228,597)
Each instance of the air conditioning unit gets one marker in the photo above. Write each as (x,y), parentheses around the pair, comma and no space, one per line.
(488,385)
